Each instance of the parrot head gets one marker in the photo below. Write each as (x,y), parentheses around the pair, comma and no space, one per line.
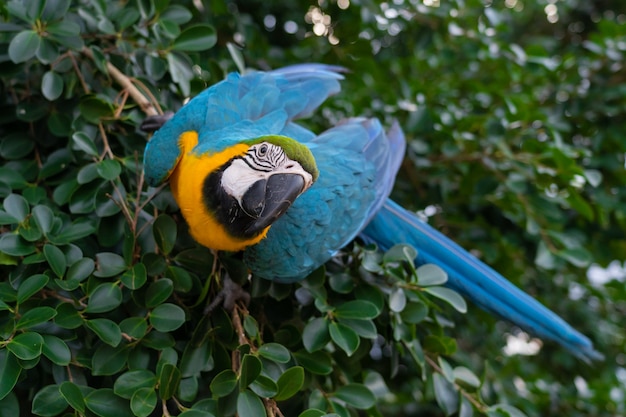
(231,198)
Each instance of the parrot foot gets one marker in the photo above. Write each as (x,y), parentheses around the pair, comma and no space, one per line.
(228,296)
(153,123)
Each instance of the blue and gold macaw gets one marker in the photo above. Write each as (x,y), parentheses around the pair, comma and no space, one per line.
(248,178)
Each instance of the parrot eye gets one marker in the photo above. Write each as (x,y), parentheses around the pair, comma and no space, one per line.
(263,150)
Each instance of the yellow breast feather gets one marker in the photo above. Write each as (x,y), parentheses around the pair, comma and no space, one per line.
(186,183)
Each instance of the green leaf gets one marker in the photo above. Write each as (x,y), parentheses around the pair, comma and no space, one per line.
(465,376)
(364,328)
(346,338)
(250,405)
(275,352)
(48,402)
(109,264)
(31,286)
(195,359)
(315,334)
(16,206)
(224,383)
(451,297)
(108,360)
(357,309)
(167,317)
(9,406)
(129,382)
(107,330)
(23,46)
(356,395)
(430,274)
(159,291)
(80,270)
(43,217)
(56,350)
(169,380)
(400,253)
(26,346)
(35,316)
(104,403)
(289,383)
(143,402)
(165,232)
(414,312)
(67,316)
(94,109)
(134,326)
(397,299)
(196,38)
(56,259)
(264,387)
(83,142)
(578,256)
(135,277)
(105,297)
(73,396)
(445,394)
(108,169)
(9,372)
(250,369)
(14,245)
(318,362)
(51,85)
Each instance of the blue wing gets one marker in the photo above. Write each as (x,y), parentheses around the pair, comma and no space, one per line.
(466,274)
(243,107)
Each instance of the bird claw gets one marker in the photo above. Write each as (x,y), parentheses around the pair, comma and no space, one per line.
(228,296)
(153,123)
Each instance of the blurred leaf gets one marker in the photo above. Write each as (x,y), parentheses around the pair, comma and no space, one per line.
(56,259)
(164,230)
(356,395)
(446,396)
(56,350)
(275,352)
(357,309)
(250,405)
(449,296)
(143,402)
(23,46)
(196,38)
(51,85)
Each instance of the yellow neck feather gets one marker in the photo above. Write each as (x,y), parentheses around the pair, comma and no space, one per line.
(186,183)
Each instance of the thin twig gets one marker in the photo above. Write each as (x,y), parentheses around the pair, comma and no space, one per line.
(127,84)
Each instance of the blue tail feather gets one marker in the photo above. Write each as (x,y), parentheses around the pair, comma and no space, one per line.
(475,280)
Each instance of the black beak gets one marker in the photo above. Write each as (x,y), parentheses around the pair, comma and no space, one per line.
(267,200)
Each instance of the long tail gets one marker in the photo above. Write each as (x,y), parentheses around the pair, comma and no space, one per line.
(477,281)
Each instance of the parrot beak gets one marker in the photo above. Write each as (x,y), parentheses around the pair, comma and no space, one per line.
(268,199)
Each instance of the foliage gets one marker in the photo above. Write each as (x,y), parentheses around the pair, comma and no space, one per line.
(515,118)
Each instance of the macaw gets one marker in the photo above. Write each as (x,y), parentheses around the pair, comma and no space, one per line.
(248,178)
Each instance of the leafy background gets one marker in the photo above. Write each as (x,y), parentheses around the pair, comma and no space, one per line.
(515,114)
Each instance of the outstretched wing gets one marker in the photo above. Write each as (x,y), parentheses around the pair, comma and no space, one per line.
(243,107)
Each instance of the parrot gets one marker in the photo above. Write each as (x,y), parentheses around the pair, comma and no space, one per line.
(248,178)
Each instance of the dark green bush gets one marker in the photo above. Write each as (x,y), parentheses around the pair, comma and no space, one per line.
(516,119)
